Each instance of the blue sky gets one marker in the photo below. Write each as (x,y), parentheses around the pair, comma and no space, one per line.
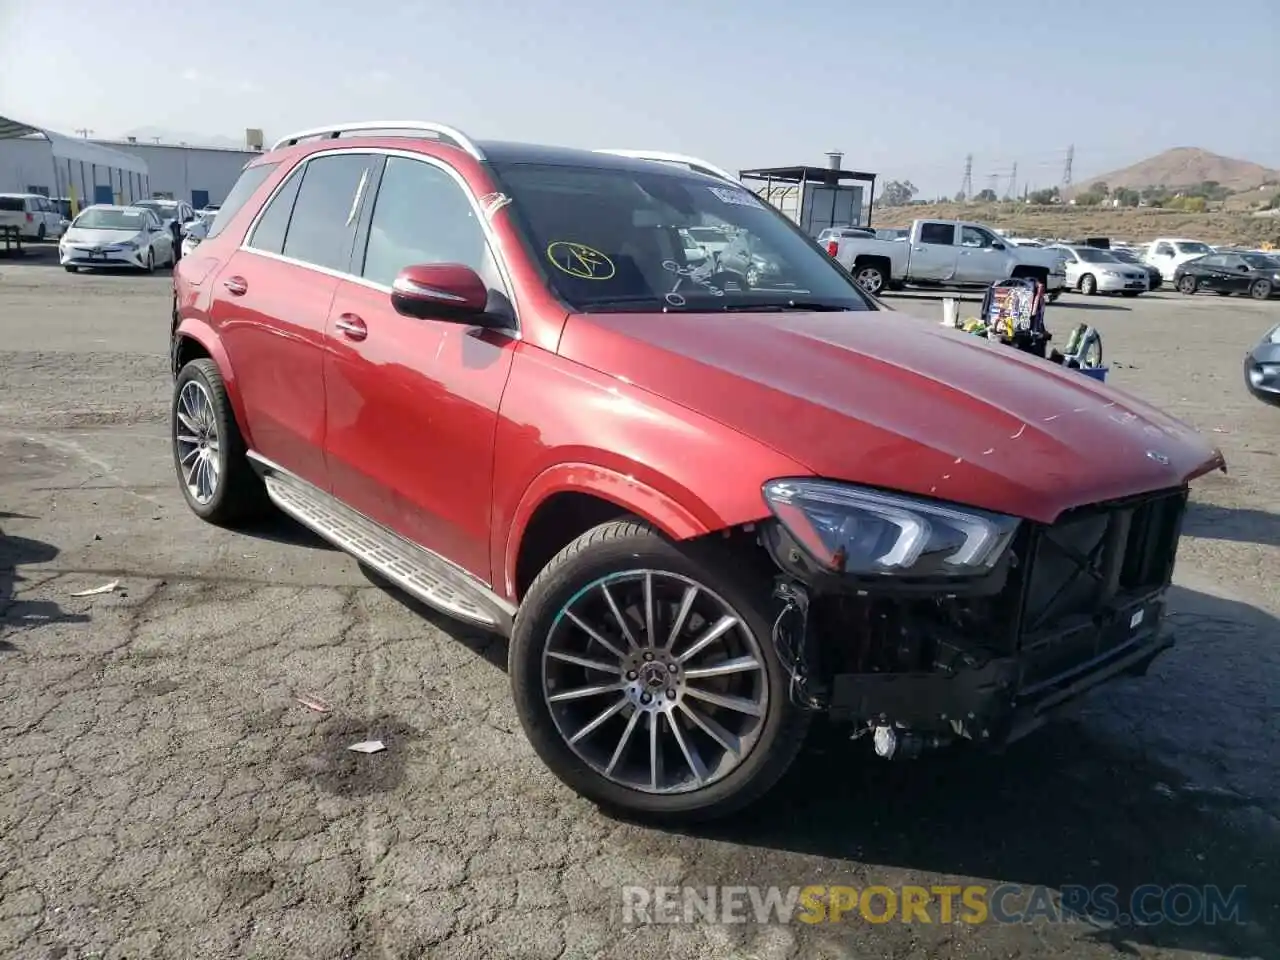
(906,89)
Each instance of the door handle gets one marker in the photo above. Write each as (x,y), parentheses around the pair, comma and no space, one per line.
(236,286)
(352,327)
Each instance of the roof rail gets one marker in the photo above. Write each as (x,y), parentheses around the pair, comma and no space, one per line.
(700,166)
(332,131)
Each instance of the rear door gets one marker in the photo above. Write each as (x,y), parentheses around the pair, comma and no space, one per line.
(933,252)
(271,302)
(413,403)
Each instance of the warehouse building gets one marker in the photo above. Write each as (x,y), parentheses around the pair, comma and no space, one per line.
(34,160)
(200,175)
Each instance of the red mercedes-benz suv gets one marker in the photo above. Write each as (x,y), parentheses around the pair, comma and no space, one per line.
(620,409)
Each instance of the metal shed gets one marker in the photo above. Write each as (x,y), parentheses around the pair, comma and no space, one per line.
(816,197)
(82,171)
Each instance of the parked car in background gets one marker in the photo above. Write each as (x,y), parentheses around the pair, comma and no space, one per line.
(942,253)
(1126,255)
(701,511)
(194,233)
(1093,270)
(34,216)
(1256,274)
(832,232)
(174,214)
(1262,368)
(1167,253)
(107,235)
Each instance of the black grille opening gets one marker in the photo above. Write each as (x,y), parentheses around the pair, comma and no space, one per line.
(1094,556)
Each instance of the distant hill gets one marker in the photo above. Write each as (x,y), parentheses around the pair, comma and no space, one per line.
(1186,167)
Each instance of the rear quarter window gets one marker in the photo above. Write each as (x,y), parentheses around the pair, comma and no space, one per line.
(251,178)
(11,203)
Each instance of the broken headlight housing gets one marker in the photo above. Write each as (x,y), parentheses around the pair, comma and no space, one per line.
(865,532)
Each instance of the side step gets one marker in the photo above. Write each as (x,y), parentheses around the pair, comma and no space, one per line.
(416,570)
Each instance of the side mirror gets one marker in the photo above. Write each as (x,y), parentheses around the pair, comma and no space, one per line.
(441,291)
(997,246)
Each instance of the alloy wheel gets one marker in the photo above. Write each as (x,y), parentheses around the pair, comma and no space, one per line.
(1187,285)
(196,438)
(1261,290)
(870,279)
(655,682)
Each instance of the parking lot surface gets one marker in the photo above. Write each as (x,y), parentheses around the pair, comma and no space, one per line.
(163,793)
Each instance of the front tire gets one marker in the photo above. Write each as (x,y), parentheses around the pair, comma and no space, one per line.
(1088,285)
(645,676)
(1261,290)
(1188,285)
(214,473)
(70,268)
(149,265)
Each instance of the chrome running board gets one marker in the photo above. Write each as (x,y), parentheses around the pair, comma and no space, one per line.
(418,571)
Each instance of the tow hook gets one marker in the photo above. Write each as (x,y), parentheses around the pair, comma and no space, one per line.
(891,742)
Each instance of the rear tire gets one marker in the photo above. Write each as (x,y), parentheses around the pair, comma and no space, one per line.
(611,765)
(1261,290)
(870,277)
(1088,285)
(202,426)
(41,234)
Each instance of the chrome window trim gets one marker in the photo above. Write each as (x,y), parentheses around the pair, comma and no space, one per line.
(491,238)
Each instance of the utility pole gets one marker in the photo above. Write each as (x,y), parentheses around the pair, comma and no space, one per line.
(84,132)
(1013,182)
(1066,170)
(966,184)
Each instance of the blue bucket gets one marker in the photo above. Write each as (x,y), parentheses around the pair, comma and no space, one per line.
(1098,373)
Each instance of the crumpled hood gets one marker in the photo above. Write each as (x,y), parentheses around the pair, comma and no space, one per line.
(891,401)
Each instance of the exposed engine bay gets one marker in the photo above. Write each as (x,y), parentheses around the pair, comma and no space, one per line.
(919,664)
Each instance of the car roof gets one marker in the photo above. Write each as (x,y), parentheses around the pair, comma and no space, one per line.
(112,206)
(505,152)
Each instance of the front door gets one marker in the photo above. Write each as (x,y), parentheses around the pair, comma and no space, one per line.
(413,403)
(933,252)
(978,260)
(271,303)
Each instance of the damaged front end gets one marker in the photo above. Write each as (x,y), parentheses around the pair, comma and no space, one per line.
(923,623)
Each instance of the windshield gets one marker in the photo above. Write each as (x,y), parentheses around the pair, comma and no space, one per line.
(163,211)
(608,239)
(97,219)
(1191,246)
(1124,256)
(1260,262)
(1094,255)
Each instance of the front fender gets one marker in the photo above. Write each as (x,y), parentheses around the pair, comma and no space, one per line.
(679,521)
(198,330)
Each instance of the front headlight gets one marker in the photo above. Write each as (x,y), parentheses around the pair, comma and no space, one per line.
(1109,273)
(860,531)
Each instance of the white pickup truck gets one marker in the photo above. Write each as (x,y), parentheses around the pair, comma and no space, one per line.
(944,253)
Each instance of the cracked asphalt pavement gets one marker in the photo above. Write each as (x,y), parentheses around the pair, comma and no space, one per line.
(163,793)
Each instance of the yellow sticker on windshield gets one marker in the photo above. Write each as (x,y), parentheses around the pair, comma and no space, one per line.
(579,260)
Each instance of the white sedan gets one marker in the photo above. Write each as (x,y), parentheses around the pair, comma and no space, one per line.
(1093,270)
(114,236)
